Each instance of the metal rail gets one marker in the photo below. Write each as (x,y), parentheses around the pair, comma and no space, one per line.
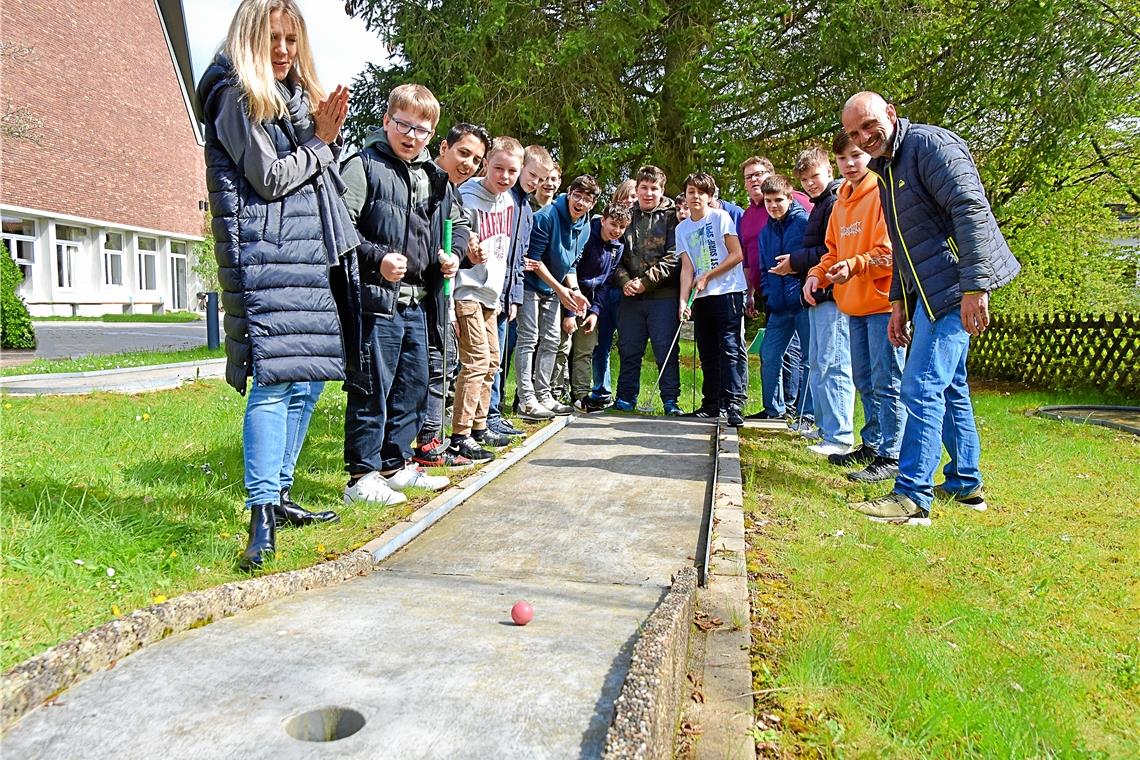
(707,522)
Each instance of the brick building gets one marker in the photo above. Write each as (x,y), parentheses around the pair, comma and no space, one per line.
(102,185)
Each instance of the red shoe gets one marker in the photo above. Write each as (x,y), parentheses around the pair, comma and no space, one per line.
(435,453)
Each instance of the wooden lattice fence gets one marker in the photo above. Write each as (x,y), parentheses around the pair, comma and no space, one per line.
(1062,351)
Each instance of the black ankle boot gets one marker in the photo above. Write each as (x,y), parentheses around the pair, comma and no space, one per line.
(289,512)
(262,537)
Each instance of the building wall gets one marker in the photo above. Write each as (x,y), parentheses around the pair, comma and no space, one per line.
(117,142)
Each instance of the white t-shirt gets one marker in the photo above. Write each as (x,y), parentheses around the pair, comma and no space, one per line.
(703,243)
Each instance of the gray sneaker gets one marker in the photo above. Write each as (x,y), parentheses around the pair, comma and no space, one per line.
(556,406)
(532,411)
(895,509)
(878,470)
(975,500)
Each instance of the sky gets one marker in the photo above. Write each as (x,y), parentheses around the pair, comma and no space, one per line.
(341,44)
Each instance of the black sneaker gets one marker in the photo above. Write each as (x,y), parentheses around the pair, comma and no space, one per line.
(490,440)
(587,405)
(975,500)
(734,417)
(466,447)
(879,470)
(859,455)
(703,414)
(763,416)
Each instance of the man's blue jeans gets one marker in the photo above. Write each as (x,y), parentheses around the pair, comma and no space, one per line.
(379,427)
(276,420)
(939,412)
(877,368)
(829,379)
(777,335)
(644,320)
(607,326)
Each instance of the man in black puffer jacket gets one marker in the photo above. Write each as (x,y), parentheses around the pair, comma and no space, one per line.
(948,255)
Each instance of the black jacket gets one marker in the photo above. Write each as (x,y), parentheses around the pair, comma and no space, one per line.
(946,240)
(815,241)
(280,318)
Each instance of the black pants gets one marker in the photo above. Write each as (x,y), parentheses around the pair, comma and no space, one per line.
(718,325)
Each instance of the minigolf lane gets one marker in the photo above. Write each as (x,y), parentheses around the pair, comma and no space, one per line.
(588,528)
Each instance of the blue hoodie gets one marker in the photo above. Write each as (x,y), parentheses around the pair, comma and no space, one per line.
(599,259)
(557,242)
(779,237)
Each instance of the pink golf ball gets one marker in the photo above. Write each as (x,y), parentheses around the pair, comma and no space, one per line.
(522,613)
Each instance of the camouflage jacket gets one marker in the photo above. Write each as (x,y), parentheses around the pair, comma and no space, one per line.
(651,252)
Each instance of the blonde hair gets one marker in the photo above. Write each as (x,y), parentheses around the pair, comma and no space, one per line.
(536,154)
(248,45)
(621,195)
(506,144)
(415,99)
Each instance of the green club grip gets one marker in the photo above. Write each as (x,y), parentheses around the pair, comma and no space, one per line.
(447,223)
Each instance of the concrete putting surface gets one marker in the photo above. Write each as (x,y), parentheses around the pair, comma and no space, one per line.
(420,659)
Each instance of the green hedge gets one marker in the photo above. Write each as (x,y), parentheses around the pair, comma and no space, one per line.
(15,322)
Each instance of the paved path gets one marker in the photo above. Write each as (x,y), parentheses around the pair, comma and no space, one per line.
(60,340)
(589,528)
(123,380)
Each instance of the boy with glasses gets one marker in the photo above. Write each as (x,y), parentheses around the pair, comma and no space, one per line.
(398,198)
(556,243)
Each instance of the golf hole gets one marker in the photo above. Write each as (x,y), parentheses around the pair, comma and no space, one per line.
(325,724)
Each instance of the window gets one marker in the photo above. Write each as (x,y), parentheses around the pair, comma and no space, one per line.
(20,240)
(67,245)
(112,258)
(177,274)
(148,263)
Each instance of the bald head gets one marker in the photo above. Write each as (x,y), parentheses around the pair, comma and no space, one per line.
(869,121)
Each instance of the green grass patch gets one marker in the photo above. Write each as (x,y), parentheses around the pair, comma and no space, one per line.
(1010,633)
(112,361)
(170,316)
(113,502)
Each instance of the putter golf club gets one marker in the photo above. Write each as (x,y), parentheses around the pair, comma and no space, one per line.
(676,337)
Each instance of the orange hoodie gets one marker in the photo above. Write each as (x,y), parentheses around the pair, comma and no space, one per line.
(857,232)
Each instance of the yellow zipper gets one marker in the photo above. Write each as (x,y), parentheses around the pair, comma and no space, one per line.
(906,251)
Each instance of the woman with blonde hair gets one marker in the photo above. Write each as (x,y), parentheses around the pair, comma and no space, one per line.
(625,196)
(281,235)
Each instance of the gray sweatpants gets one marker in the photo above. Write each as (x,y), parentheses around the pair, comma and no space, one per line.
(539,336)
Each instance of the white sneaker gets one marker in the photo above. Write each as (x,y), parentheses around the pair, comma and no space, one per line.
(812,435)
(414,476)
(555,406)
(827,449)
(372,488)
(532,411)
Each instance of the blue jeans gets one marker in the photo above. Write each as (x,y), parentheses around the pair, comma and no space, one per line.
(777,335)
(379,427)
(607,326)
(648,320)
(829,364)
(273,432)
(937,401)
(877,368)
(508,337)
(718,329)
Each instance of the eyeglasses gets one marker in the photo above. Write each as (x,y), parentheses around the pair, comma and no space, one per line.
(404,128)
(755,175)
(583,197)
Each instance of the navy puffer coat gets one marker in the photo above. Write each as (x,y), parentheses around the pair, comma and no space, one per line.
(280,318)
(945,237)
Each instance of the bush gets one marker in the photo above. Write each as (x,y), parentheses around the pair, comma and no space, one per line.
(15,322)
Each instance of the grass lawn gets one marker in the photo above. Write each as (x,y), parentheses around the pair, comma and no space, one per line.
(112,361)
(1009,633)
(170,316)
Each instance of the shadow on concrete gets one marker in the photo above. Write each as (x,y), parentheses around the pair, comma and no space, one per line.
(663,444)
(681,466)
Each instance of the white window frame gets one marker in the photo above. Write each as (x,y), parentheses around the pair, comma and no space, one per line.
(109,253)
(67,252)
(142,256)
(11,242)
(184,257)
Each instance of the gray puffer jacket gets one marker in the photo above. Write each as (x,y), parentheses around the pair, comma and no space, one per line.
(945,237)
